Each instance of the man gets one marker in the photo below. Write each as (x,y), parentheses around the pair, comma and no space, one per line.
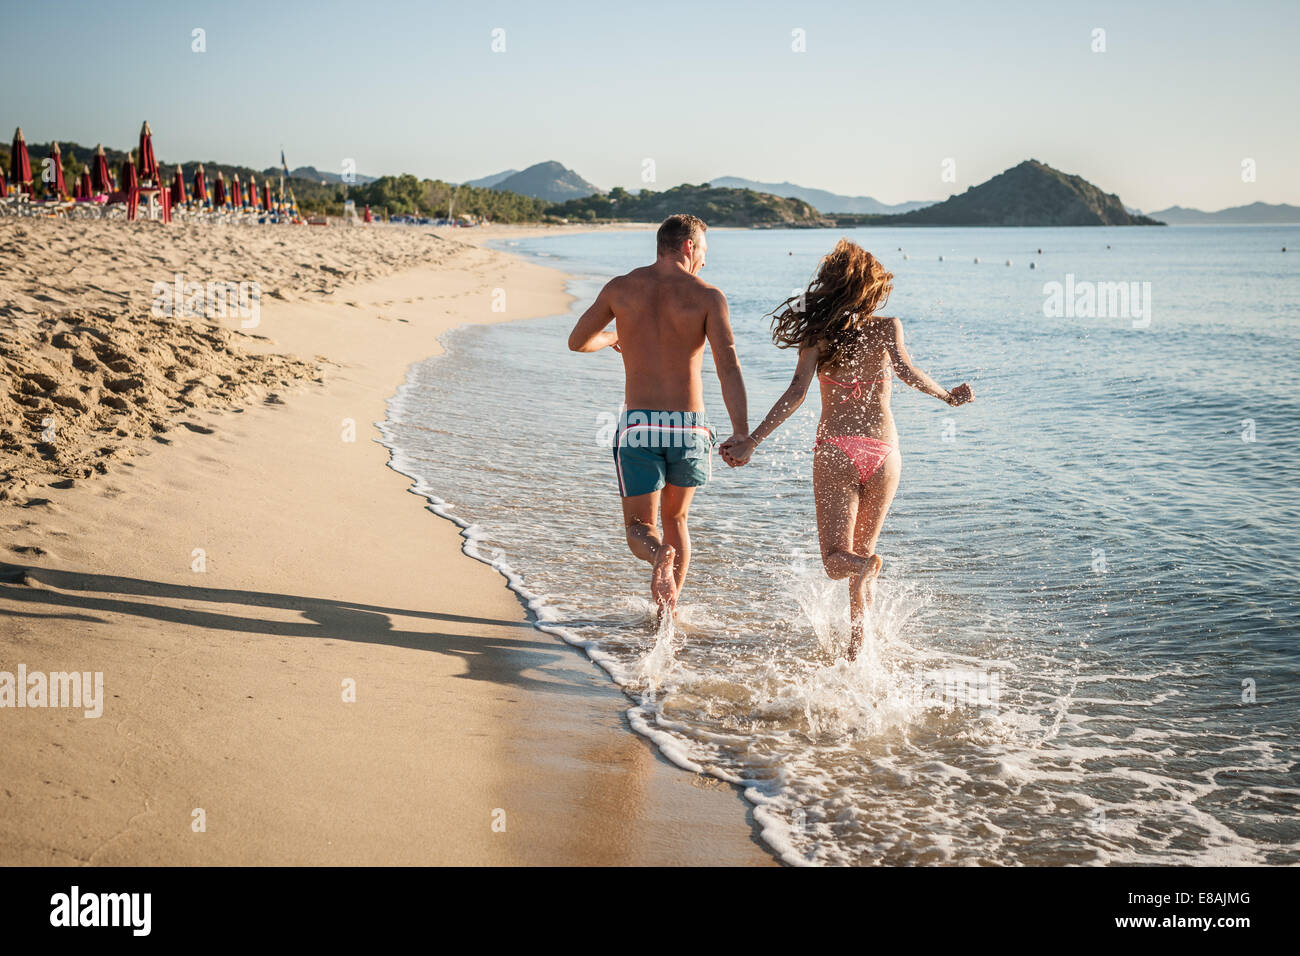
(663,448)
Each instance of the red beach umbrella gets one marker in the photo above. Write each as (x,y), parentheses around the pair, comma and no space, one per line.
(58,187)
(4,187)
(252,191)
(99,177)
(129,180)
(369,218)
(20,164)
(266,196)
(200,185)
(236,193)
(84,186)
(219,191)
(178,187)
(148,165)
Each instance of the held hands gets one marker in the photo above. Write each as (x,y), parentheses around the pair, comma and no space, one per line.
(737,449)
(961,395)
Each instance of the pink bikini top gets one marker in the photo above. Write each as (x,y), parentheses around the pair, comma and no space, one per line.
(856,385)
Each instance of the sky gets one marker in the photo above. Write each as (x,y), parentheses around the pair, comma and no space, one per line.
(882,100)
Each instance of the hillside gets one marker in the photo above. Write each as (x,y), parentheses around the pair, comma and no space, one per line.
(716,205)
(1259,213)
(326,179)
(1031,194)
(827,202)
(488,182)
(550,180)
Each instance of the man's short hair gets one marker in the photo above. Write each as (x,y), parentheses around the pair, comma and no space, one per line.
(677,229)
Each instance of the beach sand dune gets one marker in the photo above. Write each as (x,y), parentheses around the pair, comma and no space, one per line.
(299,664)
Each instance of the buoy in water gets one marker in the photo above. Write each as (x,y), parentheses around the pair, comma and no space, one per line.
(1033,265)
(977,260)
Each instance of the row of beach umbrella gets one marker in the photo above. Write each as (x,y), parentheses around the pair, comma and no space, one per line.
(140,170)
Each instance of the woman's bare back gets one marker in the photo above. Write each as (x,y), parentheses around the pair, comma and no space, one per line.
(856,389)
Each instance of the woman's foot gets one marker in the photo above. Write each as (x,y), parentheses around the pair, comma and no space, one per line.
(862,594)
(863,584)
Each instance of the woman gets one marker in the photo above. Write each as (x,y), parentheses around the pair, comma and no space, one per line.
(856,464)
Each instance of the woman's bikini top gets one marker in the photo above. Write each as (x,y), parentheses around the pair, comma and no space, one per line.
(856,384)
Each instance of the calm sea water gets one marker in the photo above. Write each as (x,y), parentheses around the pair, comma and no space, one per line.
(1085,644)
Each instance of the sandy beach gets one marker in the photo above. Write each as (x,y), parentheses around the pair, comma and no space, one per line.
(300,666)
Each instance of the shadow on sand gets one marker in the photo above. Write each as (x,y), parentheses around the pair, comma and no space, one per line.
(49,593)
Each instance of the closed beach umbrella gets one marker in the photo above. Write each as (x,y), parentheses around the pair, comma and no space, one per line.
(252,191)
(219,190)
(87,190)
(200,185)
(148,165)
(99,177)
(20,164)
(236,193)
(178,187)
(129,179)
(4,187)
(58,187)
(266,196)
(369,218)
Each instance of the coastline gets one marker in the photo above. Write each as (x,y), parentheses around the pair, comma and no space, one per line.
(465,718)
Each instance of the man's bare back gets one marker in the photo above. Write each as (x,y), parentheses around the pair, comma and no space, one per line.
(662,318)
(663,314)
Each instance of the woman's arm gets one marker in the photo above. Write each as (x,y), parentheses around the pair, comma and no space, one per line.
(786,405)
(913,376)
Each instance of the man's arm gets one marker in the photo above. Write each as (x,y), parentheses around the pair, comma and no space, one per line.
(589,334)
(722,342)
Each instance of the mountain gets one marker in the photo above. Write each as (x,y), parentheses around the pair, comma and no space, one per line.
(1031,194)
(820,198)
(548,180)
(325,179)
(1257,213)
(716,205)
(488,182)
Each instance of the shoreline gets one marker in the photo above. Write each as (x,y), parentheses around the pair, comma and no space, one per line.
(463,718)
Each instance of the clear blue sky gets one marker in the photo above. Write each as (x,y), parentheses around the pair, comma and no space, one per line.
(884,93)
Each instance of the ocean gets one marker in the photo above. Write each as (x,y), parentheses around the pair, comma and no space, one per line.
(1084,648)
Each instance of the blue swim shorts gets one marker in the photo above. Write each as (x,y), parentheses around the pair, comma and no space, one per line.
(653,448)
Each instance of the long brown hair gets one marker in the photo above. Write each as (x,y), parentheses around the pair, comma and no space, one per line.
(849,286)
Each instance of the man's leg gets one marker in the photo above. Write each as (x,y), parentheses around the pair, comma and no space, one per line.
(676,507)
(639,519)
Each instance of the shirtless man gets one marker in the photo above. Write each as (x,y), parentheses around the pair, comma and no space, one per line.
(663,448)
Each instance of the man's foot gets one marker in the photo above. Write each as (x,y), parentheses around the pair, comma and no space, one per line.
(663,586)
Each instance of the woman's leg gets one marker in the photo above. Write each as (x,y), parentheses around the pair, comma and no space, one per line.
(875,495)
(835,488)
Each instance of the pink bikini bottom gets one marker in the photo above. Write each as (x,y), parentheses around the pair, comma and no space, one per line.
(867,453)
